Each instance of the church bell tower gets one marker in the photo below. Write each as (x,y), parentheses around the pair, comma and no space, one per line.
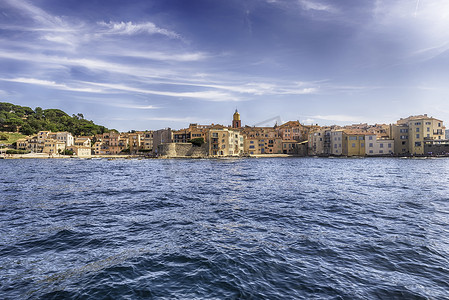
(236,122)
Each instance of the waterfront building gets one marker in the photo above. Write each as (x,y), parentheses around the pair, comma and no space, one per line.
(293,131)
(65,137)
(22,144)
(378,146)
(420,130)
(338,146)
(81,151)
(198,131)
(354,143)
(436,147)
(161,136)
(181,136)
(147,141)
(135,140)
(319,142)
(113,143)
(97,148)
(53,146)
(261,140)
(224,141)
(399,133)
(83,141)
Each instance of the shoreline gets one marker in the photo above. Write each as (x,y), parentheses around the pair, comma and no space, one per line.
(134,156)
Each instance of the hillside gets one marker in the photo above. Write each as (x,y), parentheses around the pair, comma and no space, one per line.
(15,118)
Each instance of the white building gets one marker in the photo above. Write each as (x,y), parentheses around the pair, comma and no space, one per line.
(375,146)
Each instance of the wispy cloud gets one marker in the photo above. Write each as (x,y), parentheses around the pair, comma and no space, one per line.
(178,57)
(134,106)
(130,28)
(210,95)
(52,84)
(315,5)
(35,13)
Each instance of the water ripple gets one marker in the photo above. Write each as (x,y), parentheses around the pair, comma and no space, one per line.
(308,228)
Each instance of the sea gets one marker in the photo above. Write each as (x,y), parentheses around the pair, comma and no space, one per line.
(245,228)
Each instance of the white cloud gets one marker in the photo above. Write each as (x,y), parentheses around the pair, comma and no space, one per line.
(202,95)
(130,28)
(181,57)
(315,5)
(35,13)
(51,84)
(134,106)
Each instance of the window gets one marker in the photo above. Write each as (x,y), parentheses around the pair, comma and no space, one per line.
(428,123)
(370,138)
(251,142)
(381,151)
(361,138)
(353,145)
(215,135)
(371,151)
(381,145)
(335,146)
(428,129)
(352,138)
(362,144)
(389,145)
(371,145)
(417,129)
(417,135)
(417,144)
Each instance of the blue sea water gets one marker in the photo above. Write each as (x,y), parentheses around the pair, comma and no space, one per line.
(278,228)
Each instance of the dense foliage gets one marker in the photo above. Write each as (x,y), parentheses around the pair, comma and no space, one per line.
(197,141)
(15,118)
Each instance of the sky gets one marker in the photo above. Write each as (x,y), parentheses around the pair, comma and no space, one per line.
(152,64)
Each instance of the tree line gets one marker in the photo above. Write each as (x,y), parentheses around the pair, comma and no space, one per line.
(16,118)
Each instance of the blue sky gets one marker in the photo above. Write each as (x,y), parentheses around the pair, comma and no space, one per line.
(167,63)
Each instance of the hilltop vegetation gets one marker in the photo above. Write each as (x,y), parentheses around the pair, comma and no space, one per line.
(15,118)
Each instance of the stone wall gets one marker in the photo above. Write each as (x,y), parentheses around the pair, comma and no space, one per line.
(181,150)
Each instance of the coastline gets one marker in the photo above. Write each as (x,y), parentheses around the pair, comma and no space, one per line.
(254,156)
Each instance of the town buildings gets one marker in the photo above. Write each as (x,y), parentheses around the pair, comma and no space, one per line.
(415,135)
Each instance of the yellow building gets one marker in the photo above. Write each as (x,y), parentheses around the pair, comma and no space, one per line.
(224,141)
(355,143)
(52,146)
(22,144)
(84,141)
(421,129)
(147,141)
(261,140)
(135,141)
